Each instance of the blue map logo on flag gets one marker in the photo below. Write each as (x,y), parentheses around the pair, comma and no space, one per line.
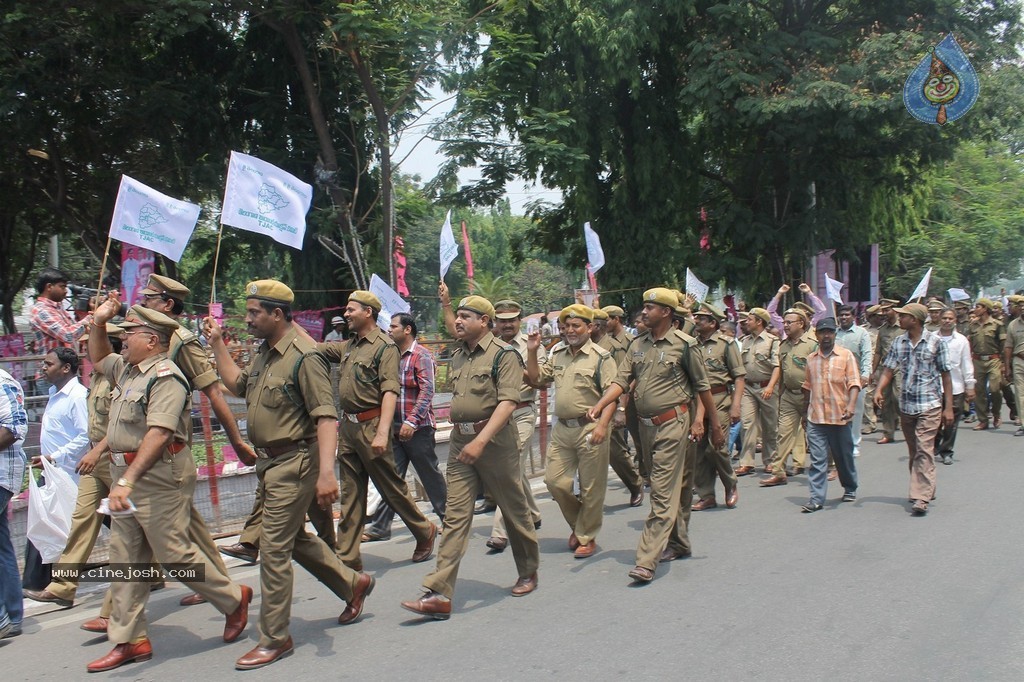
(150,216)
(944,86)
(269,199)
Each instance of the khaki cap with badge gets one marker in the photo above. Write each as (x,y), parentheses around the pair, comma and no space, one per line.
(270,290)
(507,309)
(577,311)
(801,313)
(935,305)
(873,310)
(138,316)
(614,311)
(600,314)
(806,310)
(158,285)
(761,314)
(112,330)
(367,299)
(661,296)
(987,303)
(888,303)
(709,310)
(478,305)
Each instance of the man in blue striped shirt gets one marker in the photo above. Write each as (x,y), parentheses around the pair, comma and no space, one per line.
(13,429)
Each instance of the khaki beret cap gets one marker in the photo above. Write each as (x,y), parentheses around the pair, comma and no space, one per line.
(269,290)
(935,305)
(139,316)
(158,284)
(366,298)
(578,311)
(614,311)
(478,305)
(507,309)
(1015,299)
(661,296)
(807,310)
(961,304)
(112,330)
(710,311)
(988,303)
(761,314)
(888,302)
(600,314)
(799,312)
(873,310)
(915,309)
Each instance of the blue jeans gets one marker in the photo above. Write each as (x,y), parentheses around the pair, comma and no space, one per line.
(11,605)
(419,451)
(735,438)
(821,438)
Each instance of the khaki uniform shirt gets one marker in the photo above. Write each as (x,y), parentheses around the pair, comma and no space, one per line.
(477,385)
(580,378)
(794,361)
(527,394)
(887,333)
(616,346)
(191,358)
(1015,337)
(98,403)
(668,372)
(760,356)
(721,359)
(152,393)
(282,410)
(362,382)
(987,338)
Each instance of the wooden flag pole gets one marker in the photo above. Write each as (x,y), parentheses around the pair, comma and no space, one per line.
(216,260)
(103,266)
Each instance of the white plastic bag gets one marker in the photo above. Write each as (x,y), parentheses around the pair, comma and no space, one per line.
(49,511)
(373,499)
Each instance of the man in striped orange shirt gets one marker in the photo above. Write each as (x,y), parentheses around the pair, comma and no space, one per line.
(831,387)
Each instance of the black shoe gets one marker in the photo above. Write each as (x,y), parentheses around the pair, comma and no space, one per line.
(849,497)
(947,459)
(484,508)
(536,524)
(810,508)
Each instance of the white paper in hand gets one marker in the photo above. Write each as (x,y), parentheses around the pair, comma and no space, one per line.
(104,508)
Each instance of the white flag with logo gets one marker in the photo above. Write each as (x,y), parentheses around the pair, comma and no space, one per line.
(922,288)
(695,286)
(262,198)
(391,302)
(833,289)
(959,295)
(449,247)
(144,217)
(595,254)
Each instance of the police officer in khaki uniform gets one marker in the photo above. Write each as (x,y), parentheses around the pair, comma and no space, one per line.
(581,372)
(726,376)
(760,402)
(887,333)
(622,464)
(872,323)
(368,392)
(987,337)
(793,354)
(669,373)
(292,423)
(1013,354)
(507,327)
(152,465)
(625,419)
(486,377)
(934,322)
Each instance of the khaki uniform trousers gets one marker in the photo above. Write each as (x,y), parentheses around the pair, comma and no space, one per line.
(289,489)
(988,400)
(672,458)
(358,466)
(1018,385)
(622,463)
(713,462)
(891,407)
(322,520)
(643,465)
(525,420)
(870,418)
(791,436)
(159,530)
(498,470)
(765,414)
(569,451)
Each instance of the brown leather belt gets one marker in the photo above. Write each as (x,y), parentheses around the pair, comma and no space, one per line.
(278,450)
(357,417)
(123,459)
(759,384)
(666,416)
(576,422)
(721,388)
(469,428)
(985,357)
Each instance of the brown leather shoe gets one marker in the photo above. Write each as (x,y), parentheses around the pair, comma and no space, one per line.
(586,551)
(701,505)
(355,564)
(192,599)
(996,422)
(241,550)
(732,497)
(525,586)
(981,426)
(744,471)
(239,618)
(426,547)
(159,585)
(364,586)
(48,597)
(121,654)
(673,554)
(574,542)
(497,544)
(430,604)
(641,574)
(97,624)
(773,481)
(637,498)
(261,656)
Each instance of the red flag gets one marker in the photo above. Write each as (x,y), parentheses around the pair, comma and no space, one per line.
(469,254)
(400,286)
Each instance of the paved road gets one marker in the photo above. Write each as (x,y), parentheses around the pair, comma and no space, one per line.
(859,591)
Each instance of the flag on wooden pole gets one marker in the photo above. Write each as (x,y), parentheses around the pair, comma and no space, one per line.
(922,288)
(145,217)
(260,197)
(449,248)
(833,289)
(595,254)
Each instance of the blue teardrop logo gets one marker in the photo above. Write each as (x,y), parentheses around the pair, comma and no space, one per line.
(944,86)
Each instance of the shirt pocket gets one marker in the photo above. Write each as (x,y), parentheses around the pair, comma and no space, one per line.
(133,411)
(480,385)
(455,379)
(274,393)
(365,373)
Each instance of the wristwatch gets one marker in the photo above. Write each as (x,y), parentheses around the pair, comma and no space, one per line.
(125,483)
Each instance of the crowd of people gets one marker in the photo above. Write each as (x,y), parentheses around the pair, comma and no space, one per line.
(665,405)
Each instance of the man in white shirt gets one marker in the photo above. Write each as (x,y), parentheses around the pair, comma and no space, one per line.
(962,377)
(63,439)
(857,340)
